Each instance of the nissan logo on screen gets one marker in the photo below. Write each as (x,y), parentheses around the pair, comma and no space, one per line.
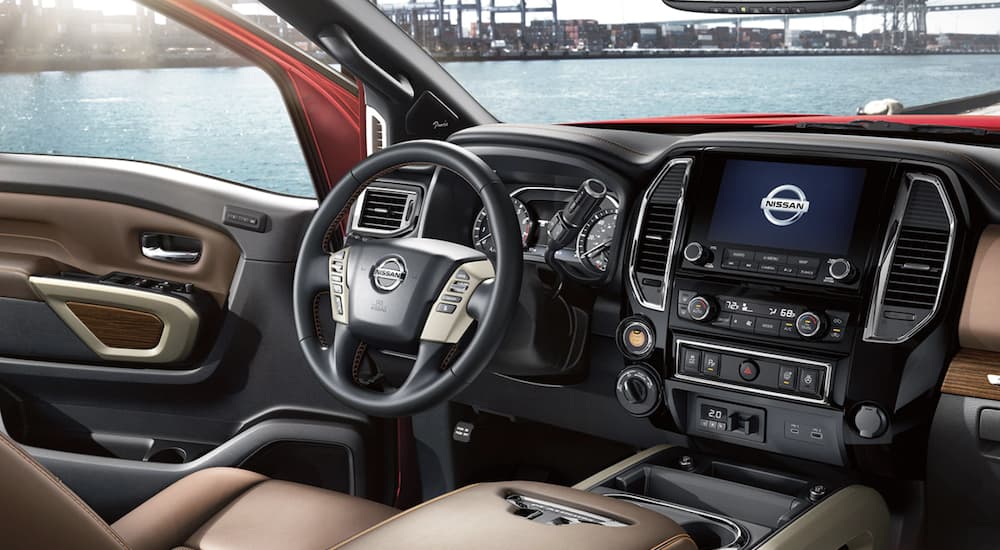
(784,205)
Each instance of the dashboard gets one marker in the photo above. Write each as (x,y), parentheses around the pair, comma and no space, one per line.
(791,295)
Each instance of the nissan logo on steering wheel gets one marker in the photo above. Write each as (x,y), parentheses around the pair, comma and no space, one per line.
(389,274)
(784,205)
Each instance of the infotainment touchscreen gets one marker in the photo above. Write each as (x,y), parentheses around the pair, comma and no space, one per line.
(805,207)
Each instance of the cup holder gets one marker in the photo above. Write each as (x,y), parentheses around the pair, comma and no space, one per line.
(711,536)
(168,455)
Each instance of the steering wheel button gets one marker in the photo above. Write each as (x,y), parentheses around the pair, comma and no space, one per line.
(338,255)
(339,303)
(338,289)
(461,275)
(446,308)
(452,298)
(337,278)
(337,267)
(458,287)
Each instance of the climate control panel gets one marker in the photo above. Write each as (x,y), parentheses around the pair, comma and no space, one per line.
(763,318)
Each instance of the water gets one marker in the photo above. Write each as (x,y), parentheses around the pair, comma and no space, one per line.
(231,122)
(603,89)
(226,122)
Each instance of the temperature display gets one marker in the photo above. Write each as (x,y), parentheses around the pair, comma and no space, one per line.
(762,309)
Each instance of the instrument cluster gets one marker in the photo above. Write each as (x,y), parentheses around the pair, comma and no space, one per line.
(534,207)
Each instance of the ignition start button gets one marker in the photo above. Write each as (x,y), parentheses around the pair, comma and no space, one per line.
(635,337)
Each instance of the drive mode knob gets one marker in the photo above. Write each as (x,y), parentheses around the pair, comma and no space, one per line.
(811,325)
(702,309)
(697,254)
(638,390)
(840,269)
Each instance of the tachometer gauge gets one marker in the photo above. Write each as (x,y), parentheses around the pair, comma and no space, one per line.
(594,244)
(482,233)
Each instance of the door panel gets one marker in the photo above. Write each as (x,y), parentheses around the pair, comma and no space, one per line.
(117,429)
(100,237)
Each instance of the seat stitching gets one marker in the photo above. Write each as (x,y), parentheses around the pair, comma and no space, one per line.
(62,488)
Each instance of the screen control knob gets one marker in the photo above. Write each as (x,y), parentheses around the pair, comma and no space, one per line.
(840,269)
(811,325)
(638,390)
(702,309)
(697,254)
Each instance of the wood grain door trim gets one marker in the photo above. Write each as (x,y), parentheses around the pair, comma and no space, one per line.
(968,374)
(118,327)
(180,321)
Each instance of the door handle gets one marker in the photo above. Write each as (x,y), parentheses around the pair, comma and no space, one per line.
(170,248)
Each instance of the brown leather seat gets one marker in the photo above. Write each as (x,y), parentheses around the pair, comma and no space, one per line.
(214,509)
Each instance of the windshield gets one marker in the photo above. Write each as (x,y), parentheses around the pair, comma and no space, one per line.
(582,60)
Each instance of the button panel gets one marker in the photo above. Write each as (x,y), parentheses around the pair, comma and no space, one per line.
(771,263)
(760,372)
(338,285)
(719,418)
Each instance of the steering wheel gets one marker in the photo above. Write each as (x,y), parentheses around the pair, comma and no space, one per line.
(406,293)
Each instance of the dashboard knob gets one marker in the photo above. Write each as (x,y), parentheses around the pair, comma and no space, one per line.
(697,254)
(638,390)
(840,269)
(702,309)
(811,325)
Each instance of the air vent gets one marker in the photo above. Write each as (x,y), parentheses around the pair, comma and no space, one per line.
(653,238)
(376,131)
(917,267)
(911,280)
(378,136)
(385,211)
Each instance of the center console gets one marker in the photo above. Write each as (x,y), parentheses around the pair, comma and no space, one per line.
(725,504)
(773,296)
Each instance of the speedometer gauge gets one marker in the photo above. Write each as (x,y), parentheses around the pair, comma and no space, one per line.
(593,246)
(482,233)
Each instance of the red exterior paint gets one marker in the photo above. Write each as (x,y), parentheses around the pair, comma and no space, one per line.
(334,115)
(750,119)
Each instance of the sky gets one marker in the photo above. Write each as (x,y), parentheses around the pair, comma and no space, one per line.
(633,11)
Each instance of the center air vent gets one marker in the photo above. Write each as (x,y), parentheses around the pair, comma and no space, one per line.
(916,261)
(653,238)
(385,211)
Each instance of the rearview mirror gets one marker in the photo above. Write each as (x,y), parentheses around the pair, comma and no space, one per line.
(762,6)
